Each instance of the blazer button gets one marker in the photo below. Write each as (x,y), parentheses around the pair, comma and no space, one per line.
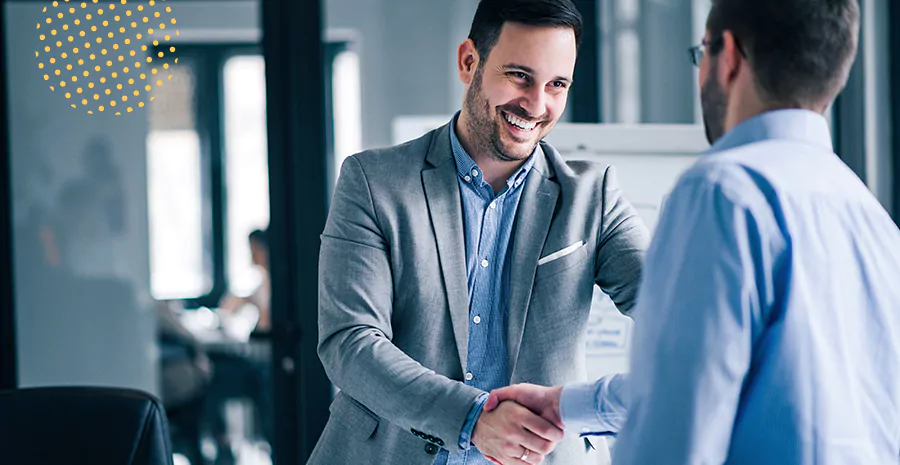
(431,449)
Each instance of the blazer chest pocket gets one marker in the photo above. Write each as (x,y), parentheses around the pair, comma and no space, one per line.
(353,416)
(567,258)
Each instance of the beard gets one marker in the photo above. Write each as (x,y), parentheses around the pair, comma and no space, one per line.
(714,105)
(484,124)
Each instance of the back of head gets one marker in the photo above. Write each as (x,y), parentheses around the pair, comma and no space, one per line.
(801,51)
(491,15)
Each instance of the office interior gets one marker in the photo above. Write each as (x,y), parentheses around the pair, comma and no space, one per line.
(172,249)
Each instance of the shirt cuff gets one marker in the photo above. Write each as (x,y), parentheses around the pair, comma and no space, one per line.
(597,408)
(577,408)
(465,436)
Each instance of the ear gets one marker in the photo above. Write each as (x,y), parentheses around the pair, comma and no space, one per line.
(731,61)
(467,61)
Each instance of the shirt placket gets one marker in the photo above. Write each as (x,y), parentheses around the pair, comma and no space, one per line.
(480,316)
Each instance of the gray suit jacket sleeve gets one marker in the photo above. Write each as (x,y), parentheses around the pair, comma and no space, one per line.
(355,334)
(623,239)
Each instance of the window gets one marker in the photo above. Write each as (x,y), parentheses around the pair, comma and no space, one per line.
(178,258)
(346,100)
(246,165)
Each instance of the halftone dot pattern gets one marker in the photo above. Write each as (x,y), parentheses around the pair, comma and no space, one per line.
(117,29)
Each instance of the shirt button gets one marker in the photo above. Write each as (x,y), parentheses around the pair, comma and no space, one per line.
(469,376)
(477,319)
(484,263)
(467,178)
(494,205)
(475,173)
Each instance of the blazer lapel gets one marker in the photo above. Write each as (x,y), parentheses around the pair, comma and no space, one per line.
(445,209)
(532,225)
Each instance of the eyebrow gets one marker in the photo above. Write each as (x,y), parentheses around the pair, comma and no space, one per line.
(529,70)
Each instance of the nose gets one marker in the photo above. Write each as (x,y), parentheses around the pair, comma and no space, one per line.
(535,102)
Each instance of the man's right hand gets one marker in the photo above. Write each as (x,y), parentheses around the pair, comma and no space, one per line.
(507,431)
(541,400)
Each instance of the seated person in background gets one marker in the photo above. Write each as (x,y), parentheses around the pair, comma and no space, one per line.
(259,252)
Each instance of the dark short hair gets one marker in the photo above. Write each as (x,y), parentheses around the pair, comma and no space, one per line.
(491,15)
(259,236)
(801,51)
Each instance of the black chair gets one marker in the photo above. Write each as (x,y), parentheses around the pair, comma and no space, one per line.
(82,426)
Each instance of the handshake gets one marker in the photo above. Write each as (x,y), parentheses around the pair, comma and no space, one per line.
(519,424)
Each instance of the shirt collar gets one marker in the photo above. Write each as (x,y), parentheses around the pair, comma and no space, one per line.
(469,171)
(797,125)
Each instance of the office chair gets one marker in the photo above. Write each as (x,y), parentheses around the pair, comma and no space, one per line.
(82,426)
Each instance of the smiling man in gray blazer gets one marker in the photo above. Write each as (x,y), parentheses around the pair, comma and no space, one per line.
(465,260)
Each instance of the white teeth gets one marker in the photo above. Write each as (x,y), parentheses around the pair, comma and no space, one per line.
(519,123)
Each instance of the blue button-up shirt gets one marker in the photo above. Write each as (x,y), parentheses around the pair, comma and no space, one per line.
(768,325)
(488,223)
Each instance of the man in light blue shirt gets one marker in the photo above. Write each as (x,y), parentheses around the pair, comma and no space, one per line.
(767,328)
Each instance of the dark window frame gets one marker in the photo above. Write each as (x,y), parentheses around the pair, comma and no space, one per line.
(585,96)
(296,117)
(8,363)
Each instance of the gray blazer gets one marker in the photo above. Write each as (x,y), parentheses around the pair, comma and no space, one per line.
(393,304)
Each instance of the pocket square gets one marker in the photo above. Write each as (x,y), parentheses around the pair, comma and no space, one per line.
(560,254)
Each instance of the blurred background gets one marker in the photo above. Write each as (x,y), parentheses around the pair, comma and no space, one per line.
(173,249)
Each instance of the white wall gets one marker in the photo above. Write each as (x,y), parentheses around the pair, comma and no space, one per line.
(460,22)
(407,52)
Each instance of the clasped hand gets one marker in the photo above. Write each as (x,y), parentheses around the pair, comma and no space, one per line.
(520,424)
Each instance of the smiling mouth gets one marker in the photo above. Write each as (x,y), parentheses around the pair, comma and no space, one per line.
(518,123)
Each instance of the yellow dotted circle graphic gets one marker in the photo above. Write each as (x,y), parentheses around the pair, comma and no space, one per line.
(106,25)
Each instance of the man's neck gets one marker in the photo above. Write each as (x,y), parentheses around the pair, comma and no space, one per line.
(496,172)
(752,107)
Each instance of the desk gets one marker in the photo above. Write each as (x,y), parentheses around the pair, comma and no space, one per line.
(226,336)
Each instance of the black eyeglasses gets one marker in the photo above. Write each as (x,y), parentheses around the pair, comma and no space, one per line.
(697,51)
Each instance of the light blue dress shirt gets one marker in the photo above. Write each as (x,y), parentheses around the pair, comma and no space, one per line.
(767,328)
(488,223)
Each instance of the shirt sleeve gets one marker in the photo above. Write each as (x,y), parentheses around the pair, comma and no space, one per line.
(594,409)
(465,436)
(698,304)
